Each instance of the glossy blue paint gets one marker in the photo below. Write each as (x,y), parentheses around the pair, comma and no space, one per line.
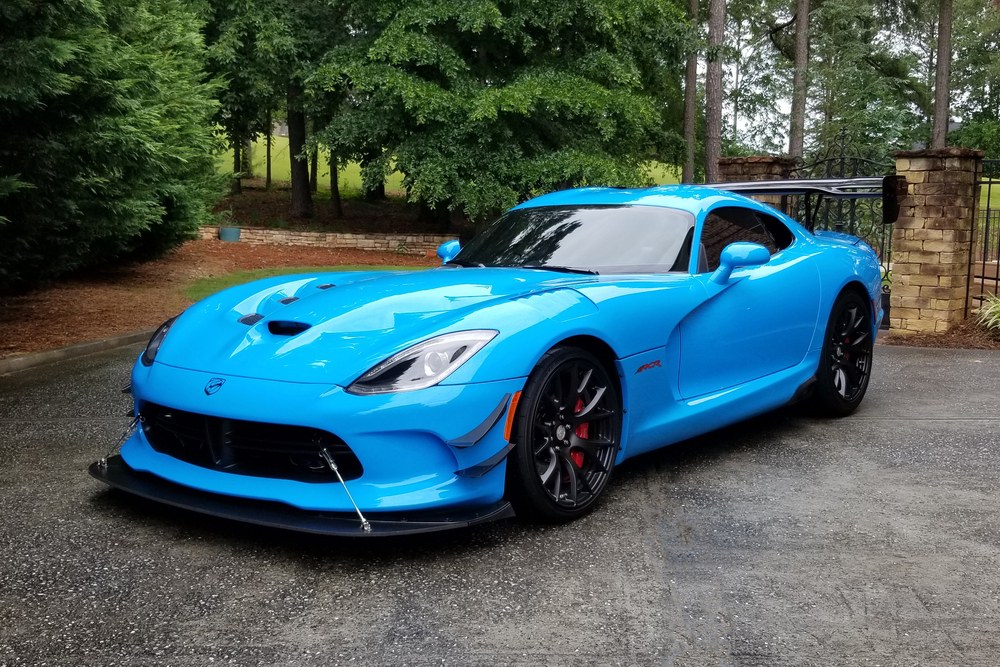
(729,345)
(448,250)
(738,256)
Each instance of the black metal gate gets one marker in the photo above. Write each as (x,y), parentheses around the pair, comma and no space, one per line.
(984,280)
(860,216)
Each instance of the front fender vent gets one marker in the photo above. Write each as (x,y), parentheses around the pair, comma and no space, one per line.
(251,319)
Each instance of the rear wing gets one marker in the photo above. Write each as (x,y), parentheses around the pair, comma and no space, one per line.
(891,189)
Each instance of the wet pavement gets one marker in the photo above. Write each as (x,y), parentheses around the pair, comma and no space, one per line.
(787,540)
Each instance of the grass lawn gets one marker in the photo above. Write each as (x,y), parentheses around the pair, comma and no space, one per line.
(349,175)
(990,196)
(203,287)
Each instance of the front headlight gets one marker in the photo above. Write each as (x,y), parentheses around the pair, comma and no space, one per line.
(149,354)
(423,365)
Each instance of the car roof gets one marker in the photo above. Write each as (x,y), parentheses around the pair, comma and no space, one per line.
(691,198)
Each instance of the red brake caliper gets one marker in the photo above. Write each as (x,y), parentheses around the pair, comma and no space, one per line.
(582,431)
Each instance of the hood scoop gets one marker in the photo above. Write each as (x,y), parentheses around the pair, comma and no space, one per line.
(279,328)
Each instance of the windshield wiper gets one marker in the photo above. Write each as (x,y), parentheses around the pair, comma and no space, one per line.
(563,269)
(462,262)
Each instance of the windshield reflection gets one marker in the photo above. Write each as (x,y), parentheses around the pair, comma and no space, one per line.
(605,239)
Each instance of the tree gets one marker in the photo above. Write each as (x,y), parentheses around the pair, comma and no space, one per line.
(796,132)
(112,155)
(250,47)
(975,78)
(939,137)
(690,95)
(483,104)
(713,89)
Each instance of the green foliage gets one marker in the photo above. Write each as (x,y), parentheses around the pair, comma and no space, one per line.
(976,76)
(989,315)
(108,145)
(483,103)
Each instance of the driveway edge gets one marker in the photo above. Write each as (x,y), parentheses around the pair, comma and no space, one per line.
(26,361)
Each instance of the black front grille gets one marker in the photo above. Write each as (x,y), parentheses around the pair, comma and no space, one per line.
(247,448)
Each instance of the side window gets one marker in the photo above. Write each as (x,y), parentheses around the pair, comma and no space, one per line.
(732,224)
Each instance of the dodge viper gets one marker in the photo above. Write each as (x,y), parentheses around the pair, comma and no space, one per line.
(581,328)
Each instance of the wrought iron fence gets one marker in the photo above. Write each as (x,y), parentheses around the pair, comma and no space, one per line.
(984,279)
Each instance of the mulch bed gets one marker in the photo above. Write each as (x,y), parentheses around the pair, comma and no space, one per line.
(966,335)
(140,296)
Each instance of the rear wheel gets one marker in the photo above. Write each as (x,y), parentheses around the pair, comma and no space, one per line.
(568,428)
(846,362)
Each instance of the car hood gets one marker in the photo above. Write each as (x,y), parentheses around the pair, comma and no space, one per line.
(329,328)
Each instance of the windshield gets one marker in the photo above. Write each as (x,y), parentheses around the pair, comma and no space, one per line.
(602,239)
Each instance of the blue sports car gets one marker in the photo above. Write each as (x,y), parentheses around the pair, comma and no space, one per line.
(581,328)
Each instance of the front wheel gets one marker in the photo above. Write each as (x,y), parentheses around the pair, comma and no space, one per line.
(568,428)
(846,362)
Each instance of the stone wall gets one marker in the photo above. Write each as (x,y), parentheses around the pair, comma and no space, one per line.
(422,244)
(932,239)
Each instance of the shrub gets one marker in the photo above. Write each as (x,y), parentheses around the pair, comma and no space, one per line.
(989,315)
(107,149)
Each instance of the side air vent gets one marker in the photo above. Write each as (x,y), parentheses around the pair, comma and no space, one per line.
(251,319)
(287,328)
(289,299)
(326,286)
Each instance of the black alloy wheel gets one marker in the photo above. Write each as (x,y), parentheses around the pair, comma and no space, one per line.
(846,362)
(568,428)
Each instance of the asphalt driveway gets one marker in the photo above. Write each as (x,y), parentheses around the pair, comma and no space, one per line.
(872,540)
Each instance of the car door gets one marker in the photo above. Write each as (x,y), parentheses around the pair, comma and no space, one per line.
(762,320)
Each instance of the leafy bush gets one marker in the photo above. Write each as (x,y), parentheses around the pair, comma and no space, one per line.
(107,149)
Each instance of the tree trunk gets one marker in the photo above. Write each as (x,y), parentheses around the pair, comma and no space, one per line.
(939,138)
(248,158)
(237,186)
(713,90)
(302,206)
(377,193)
(267,159)
(690,96)
(313,169)
(796,134)
(335,204)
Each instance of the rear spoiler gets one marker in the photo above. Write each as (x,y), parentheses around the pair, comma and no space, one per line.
(890,188)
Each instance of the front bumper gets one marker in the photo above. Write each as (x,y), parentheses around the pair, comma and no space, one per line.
(117,474)
(415,447)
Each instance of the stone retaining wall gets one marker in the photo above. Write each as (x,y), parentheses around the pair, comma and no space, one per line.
(420,244)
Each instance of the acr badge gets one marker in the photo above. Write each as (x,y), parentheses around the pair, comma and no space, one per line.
(214,385)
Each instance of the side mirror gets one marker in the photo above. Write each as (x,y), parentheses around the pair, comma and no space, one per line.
(448,251)
(739,255)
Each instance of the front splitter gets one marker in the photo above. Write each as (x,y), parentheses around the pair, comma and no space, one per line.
(116,473)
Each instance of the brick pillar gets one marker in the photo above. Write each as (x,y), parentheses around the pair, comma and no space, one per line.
(759,168)
(932,238)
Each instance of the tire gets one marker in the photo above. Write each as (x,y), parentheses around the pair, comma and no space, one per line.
(846,361)
(567,433)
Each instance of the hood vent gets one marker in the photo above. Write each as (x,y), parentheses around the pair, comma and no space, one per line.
(287,328)
(326,286)
(250,319)
(289,299)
